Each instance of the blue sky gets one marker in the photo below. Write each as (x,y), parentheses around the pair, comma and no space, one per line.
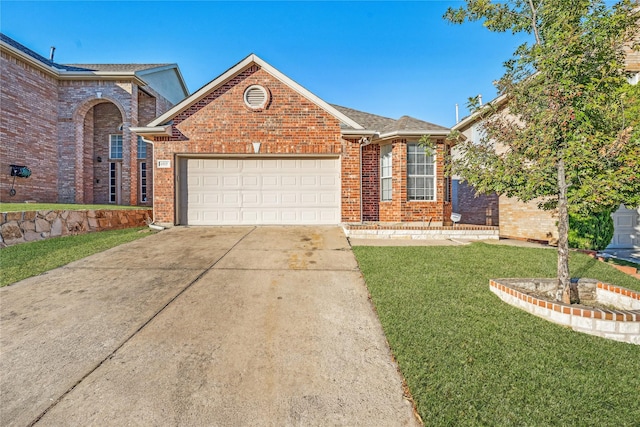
(388,58)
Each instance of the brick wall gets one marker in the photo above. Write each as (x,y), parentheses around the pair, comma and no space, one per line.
(107,118)
(400,209)
(371,182)
(88,157)
(633,58)
(28,120)
(525,221)
(480,209)
(76,99)
(290,124)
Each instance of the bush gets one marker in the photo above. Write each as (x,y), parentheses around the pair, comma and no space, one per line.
(593,232)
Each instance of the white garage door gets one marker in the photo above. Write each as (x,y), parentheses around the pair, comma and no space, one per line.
(263,191)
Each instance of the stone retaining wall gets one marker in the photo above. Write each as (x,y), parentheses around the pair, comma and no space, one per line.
(29,226)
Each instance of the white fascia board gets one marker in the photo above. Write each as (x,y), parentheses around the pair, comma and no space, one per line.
(414,133)
(468,121)
(197,96)
(30,60)
(358,132)
(152,130)
(101,75)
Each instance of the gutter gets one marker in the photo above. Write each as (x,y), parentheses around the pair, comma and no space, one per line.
(415,133)
(152,130)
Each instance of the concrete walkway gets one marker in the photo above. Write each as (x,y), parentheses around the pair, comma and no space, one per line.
(234,326)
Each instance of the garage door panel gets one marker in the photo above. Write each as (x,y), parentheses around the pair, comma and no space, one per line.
(328,199)
(309,198)
(289,181)
(250,182)
(208,199)
(209,181)
(263,191)
(328,181)
(270,181)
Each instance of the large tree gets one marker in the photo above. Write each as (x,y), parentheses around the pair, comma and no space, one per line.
(565,129)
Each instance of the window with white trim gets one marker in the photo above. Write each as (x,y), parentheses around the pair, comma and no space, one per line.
(113,182)
(142,148)
(385,172)
(115,146)
(143,182)
(421,173)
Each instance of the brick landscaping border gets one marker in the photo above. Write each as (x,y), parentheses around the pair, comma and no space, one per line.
(619,324)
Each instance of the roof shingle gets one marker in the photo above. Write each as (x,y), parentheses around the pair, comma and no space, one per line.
(387,125)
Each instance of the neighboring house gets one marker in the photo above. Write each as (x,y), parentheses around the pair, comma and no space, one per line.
(524,220)
(70,125)
(255,147)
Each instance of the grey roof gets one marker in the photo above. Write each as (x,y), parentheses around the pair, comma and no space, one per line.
(78,67)
(387,125)
(367,120)
(116,67)
(11,42)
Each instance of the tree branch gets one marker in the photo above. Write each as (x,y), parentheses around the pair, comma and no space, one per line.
(534,22)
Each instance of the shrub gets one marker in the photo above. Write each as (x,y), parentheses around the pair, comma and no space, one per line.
(593,232)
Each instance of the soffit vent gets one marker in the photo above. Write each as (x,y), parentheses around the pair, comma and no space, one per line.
(256,97)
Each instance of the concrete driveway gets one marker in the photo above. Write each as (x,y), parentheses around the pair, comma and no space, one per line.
(225,326)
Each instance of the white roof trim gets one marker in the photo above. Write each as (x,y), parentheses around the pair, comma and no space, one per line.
(197,96)
(358,132)
(471,119)
(148,130)
(432,132)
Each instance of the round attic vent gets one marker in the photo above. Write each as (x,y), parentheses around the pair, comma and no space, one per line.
(256,97)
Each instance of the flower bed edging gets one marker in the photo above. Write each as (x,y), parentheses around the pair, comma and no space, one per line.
(620,324)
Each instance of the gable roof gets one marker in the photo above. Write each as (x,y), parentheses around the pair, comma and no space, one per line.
(385,127)
(240,66)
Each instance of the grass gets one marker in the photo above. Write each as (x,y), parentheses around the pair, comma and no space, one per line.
(622,262)
(471,359)
(30,259)
(17,207)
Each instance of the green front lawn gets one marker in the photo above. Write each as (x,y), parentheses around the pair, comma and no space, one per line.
(30,259)
(18,207)
(471,359)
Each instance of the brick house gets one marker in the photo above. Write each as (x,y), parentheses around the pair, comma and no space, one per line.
(519,220)
(255,147)
(70,125)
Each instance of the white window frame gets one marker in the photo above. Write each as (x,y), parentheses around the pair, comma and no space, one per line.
(421,167)
(143,182)
(113,182)
(142,147)
(386,172)
(114,142)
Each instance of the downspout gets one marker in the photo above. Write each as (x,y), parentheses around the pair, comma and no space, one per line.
(152,224)
(364,141)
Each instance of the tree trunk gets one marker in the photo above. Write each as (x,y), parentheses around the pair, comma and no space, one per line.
(565,292)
